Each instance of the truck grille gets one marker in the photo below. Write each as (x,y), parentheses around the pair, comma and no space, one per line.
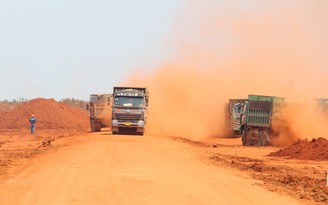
(128,117)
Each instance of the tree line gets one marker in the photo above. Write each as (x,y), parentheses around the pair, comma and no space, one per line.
(75,102)
(69,101)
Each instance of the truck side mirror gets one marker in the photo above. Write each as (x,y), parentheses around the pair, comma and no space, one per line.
(147,101)
(147,98)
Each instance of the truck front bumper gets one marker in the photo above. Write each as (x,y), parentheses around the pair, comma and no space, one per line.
(138,126)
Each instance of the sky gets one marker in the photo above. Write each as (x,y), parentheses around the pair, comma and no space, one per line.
(70,49)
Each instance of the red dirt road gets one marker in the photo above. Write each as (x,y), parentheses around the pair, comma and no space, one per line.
(106,169)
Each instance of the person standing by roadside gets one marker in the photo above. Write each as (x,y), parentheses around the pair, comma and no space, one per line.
(32,121)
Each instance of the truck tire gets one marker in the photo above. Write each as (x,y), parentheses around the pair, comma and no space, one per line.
(92,125)
(236,133)
(260,137)
(95,126)
(98,127)
(243,137)
(249,136)
(265,136)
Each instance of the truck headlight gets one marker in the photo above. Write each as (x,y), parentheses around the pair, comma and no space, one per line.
(114,123)
(141,123)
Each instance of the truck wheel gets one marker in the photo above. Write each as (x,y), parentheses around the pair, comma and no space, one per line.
(236,133)
(265,138)
(260,137)
(92,125)
(243,137)
(95,127)
(249,137)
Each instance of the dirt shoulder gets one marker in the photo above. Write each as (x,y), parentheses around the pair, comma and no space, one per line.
(19,147)
(301,179)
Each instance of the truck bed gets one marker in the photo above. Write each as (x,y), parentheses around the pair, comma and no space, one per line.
(259,113)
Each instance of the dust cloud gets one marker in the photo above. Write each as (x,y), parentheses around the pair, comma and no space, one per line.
(229,49)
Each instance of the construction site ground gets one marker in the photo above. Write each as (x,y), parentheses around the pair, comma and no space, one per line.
(71,167)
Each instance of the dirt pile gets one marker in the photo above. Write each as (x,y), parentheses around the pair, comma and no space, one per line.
(316,149)
(4,107)
(49,113)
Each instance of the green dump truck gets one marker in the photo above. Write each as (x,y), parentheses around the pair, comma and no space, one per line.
(257,116)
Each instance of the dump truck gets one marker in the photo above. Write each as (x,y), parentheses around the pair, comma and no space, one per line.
(129,110)
(256,119)
(100,111)
(233,116)
(321,105)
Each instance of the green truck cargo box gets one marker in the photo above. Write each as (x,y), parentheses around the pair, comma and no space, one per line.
(259,111)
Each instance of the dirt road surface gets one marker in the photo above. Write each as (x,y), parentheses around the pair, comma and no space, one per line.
(101,168)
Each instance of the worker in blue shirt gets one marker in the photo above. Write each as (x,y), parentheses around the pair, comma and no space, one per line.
(32,121)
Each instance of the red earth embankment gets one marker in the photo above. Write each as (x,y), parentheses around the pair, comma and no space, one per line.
(316,149)
(49,113)
(4,107)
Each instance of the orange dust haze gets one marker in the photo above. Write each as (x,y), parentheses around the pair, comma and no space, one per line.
(229,49)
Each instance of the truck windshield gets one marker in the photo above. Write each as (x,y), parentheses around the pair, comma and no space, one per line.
(93,98)
(237,108)
(128,101)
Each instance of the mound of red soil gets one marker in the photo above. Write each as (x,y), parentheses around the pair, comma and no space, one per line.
(316,149)
(4,108)
(49,113)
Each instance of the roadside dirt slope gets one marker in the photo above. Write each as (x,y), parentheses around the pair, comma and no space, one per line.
(50,114)
(17,147)
(4,107)
(303,179)
(316,149)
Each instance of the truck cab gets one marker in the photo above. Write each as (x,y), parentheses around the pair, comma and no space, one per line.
(235,109)
(129,110)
